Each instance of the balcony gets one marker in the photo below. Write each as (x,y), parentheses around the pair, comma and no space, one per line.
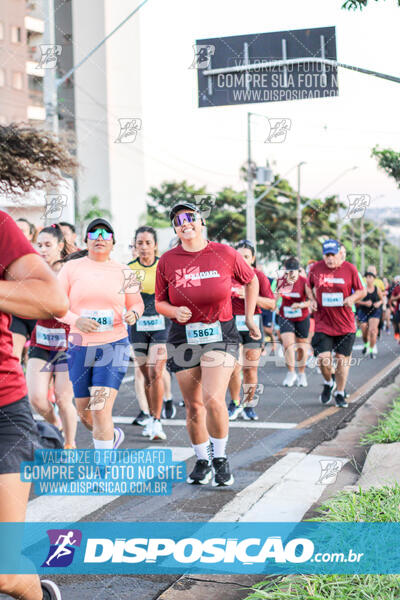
(34,24)
(36,98)
(36,113)
(32,69)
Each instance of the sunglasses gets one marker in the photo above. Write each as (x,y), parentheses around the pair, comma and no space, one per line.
(94,235)
(188,217)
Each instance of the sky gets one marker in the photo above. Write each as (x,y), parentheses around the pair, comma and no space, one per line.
(207,146)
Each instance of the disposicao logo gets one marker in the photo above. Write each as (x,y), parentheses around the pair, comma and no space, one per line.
(62,547)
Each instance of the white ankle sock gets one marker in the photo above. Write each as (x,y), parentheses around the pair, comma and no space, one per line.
(219,446)
(203,451)
(103,444)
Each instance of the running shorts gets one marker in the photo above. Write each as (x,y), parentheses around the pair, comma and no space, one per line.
(341,344)
(19,437)
(300,329)
(24,327)
(104,365)
(266,316)
(364,317)
(182,356)
(56,360)
(142,340)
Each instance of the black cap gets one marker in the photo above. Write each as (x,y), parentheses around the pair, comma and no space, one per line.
(292,264)
(99,223)
(179,206)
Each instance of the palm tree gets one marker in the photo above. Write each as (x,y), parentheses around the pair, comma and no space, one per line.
(92,210)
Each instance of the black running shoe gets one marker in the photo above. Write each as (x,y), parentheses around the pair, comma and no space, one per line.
(141,419)
(222,472)
(341,401)
(181,403)
(201,473)
(169,410)
(327,391)
(51,590)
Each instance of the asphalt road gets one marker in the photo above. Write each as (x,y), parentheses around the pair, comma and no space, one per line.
(289,419)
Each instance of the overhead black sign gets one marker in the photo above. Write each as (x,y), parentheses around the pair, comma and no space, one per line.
(233,83)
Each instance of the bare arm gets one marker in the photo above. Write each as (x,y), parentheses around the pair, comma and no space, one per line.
(354,297)
(311,297)
(31,290)
(250,301)
(267,303)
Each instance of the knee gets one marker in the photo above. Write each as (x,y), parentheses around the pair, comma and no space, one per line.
(195,410)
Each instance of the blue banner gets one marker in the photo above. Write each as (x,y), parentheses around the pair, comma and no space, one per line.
(207,548)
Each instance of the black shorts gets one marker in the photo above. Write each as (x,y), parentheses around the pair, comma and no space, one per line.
(24,327)
(341,344)
(249,342)
(300,329)
(182,356)
(56,360)
(19,437)
(267,317)
(365,316)
(141,340)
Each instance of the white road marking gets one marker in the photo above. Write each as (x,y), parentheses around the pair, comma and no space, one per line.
(234,424)
(284,493)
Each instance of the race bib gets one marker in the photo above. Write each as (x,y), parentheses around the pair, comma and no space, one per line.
(151,323)
(203,333)
(105,318)
(292,313)
(241,322)
(332,298)
(54,338)
(291,294)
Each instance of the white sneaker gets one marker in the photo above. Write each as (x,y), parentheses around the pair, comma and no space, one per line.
(290,379)
(302,380)
(374,350)
(148,428)
(157,433)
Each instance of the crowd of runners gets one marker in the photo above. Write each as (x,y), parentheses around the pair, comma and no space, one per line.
(201,312)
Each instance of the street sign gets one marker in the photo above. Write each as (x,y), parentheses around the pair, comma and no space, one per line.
(267,67)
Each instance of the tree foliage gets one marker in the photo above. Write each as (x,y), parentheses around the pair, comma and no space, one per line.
(388,161)
(358,4)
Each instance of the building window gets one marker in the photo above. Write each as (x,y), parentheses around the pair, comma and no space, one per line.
(16,35)
(17,80)
(2,78)
(1,31)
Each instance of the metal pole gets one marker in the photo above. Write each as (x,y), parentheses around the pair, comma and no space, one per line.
(298,214)
(50,80)
(353,243)
(362,245)
(338,223)
(250,207)
(380,254)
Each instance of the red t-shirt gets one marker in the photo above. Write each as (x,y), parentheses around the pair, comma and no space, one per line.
(331,286)
(13,245)
(293,295)
(201,280)
(50,334)
(265,291)
(396,292)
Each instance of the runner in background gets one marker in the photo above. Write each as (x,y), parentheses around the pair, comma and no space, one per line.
(250,349)
(369,314)
(386,307)
(149,335)
(22,328)
(294,321)
(99,291)
(268,322)
(193,289)
(333,286)
(69,233)
(28,288)
(47,352)
(395,305)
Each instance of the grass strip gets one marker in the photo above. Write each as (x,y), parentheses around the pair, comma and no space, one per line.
(388,428)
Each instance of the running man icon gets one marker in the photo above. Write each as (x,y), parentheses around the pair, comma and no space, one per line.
(62,547)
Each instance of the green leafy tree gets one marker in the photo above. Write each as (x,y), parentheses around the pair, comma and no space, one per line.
(358,4)
(91,209)
(388,161)
(161,200)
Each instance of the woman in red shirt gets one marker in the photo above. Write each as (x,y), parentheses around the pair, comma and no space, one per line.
(294,321)
(250,348)
(193,289)
(47,352)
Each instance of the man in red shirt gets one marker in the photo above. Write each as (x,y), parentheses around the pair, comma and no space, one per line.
(333,286)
